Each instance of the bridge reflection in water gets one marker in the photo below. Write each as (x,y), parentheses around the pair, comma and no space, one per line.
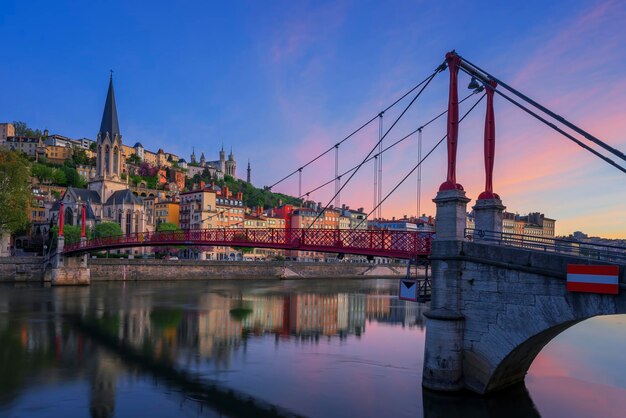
(233,349)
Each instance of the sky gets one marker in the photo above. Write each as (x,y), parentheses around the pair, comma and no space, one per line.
(281,81)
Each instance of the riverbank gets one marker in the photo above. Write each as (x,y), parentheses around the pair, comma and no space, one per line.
(29,269)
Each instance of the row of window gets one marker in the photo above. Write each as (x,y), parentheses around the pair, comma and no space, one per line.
(230,202)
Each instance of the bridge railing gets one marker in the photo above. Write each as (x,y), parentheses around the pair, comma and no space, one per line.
(405,244)
(599,252)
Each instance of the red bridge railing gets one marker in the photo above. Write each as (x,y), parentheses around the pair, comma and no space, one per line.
(383,243)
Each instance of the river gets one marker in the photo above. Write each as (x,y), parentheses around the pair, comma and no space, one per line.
(315,348)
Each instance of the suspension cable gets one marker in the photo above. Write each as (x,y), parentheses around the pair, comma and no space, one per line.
(545,110)
(419,163)
(428,80)
(355,131)
(373,157)
(552,125)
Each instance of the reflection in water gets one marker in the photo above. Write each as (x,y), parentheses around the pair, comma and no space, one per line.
(315,348)
(99,336)
(513,402)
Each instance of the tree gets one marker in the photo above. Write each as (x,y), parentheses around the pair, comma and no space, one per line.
(107,229)
(79,157)
(151,182)
(43,173)
(58,177)
(133,159)
(71,233)
(92,146)
(72,178)
(167,226)
(21,129)
(14,191)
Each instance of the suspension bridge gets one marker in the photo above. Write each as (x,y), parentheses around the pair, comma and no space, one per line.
(497,298)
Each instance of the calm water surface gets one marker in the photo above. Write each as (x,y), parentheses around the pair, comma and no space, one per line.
(277,348)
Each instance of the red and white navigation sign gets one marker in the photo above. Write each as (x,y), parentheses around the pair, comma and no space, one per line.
(593,279)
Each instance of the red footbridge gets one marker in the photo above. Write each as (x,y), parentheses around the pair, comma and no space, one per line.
(379,243)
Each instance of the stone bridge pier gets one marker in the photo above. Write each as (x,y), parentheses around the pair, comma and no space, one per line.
(66,271)
(495,307)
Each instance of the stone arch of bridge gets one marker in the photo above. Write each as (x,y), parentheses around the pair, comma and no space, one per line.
(504,354)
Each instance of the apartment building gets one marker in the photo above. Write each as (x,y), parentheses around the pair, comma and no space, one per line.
(199,210)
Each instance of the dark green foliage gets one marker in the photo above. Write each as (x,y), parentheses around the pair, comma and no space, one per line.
(79,157)
(21,129)
(107,229)
(71,233)
(64,175)
(258,197)
(167,226)
(133,159)
(14,191)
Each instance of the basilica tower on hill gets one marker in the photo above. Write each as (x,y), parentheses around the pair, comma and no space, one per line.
(109,157)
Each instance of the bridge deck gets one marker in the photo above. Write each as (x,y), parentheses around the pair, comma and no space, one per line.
(381,243)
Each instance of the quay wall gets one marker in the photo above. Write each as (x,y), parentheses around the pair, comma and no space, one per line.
(30,269)
(173,270)
(21,269)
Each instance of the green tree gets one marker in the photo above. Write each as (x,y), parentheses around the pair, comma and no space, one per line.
(14,191)
(58,177)
(167,226)
(133,159)
(44,173)
(151,182)
(107,229)
(21,129)
(79,157)
(72,178)
(70,232)
(92,146)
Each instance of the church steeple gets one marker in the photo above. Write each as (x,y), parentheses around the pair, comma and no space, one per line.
(109,122)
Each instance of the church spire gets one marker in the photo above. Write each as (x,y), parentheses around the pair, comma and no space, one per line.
(109,122)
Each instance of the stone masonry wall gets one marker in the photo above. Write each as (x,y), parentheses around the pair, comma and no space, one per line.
(21,269)
(138,269)
(514,302)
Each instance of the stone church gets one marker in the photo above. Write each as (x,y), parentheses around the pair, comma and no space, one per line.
(108,197)
(218,168)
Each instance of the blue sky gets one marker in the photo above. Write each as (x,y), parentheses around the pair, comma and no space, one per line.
(279,81)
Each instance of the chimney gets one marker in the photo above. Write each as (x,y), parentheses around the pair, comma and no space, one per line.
(212,185)
(239,196)
(201,185)
(226,192)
